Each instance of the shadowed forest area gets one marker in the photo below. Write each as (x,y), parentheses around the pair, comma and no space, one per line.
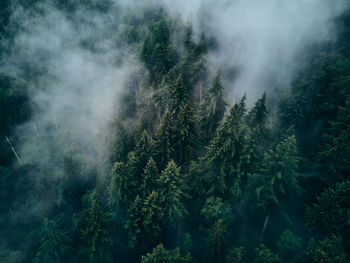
(129,134)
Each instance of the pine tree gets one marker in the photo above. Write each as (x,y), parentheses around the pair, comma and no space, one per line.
(55,244)
(225,149)
(134,222)
(165,141)
(171,188)
(186,135)
(153,213)
(149,178)
(137,160)
(279,173)
(162,255)
(93,224)
(118,189)
(179,95)
(212,109)
(218,241)
(258,114)
(333,158)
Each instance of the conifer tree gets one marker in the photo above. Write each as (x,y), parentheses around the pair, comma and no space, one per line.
(171,188)
(212,108)
(118,189)
(94,224)
(162,255)
(149,178)
(218,241)
(334,156)
(55,243)
(225,149)
(186,135)
(165,141)
(258,114)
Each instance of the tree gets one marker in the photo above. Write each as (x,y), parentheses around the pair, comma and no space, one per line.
(55,243)
(289,245)
(157,53)
(265,255)
(329,250)
(138,159)
(212,109)
(218,241)
(118,189)
(186,135)
(144,222)
(236,255)
(279,173)
(214,208)
(149,178)
(333,204)
(93,224)
(171,188)
(334,156)
(179,95)
(258,114)
(162,255)
(225,149)
(165,141)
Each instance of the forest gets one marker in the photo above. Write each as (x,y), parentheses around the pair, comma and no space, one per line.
(131,131)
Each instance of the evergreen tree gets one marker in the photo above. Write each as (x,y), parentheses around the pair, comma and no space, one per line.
(218,241)
(334,157)
(118,189)
(165,141)
(149,178)
(258,114)
(265,255)
(171,188)
(93,224)
(334,206)
(225,149)
(55,244)
(212,109)
(279,173)
(157,53)
(162,255)
(186,135)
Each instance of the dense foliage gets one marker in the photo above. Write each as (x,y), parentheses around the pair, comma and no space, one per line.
(189,176)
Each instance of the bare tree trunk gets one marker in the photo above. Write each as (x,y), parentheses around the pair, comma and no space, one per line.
(264,227)
(13,150)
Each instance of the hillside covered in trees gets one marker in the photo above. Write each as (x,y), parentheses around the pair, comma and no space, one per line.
(127,136)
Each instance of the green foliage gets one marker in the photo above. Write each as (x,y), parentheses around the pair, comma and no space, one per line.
(165,141)
(162,255)
(157,53)
(257,116)
(265,255)
(334,156)
(119,185)
(171,188)
(55,244)
(149,178)
(289,245)
(331,212)
(212,109)
(236,255)
(225,149)
(94,224)
(214,208)
(218,240)
(279,173)
(329,250)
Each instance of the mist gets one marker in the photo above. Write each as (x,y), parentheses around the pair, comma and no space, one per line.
(78,64)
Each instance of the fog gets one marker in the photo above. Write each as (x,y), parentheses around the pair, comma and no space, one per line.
(76,67)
